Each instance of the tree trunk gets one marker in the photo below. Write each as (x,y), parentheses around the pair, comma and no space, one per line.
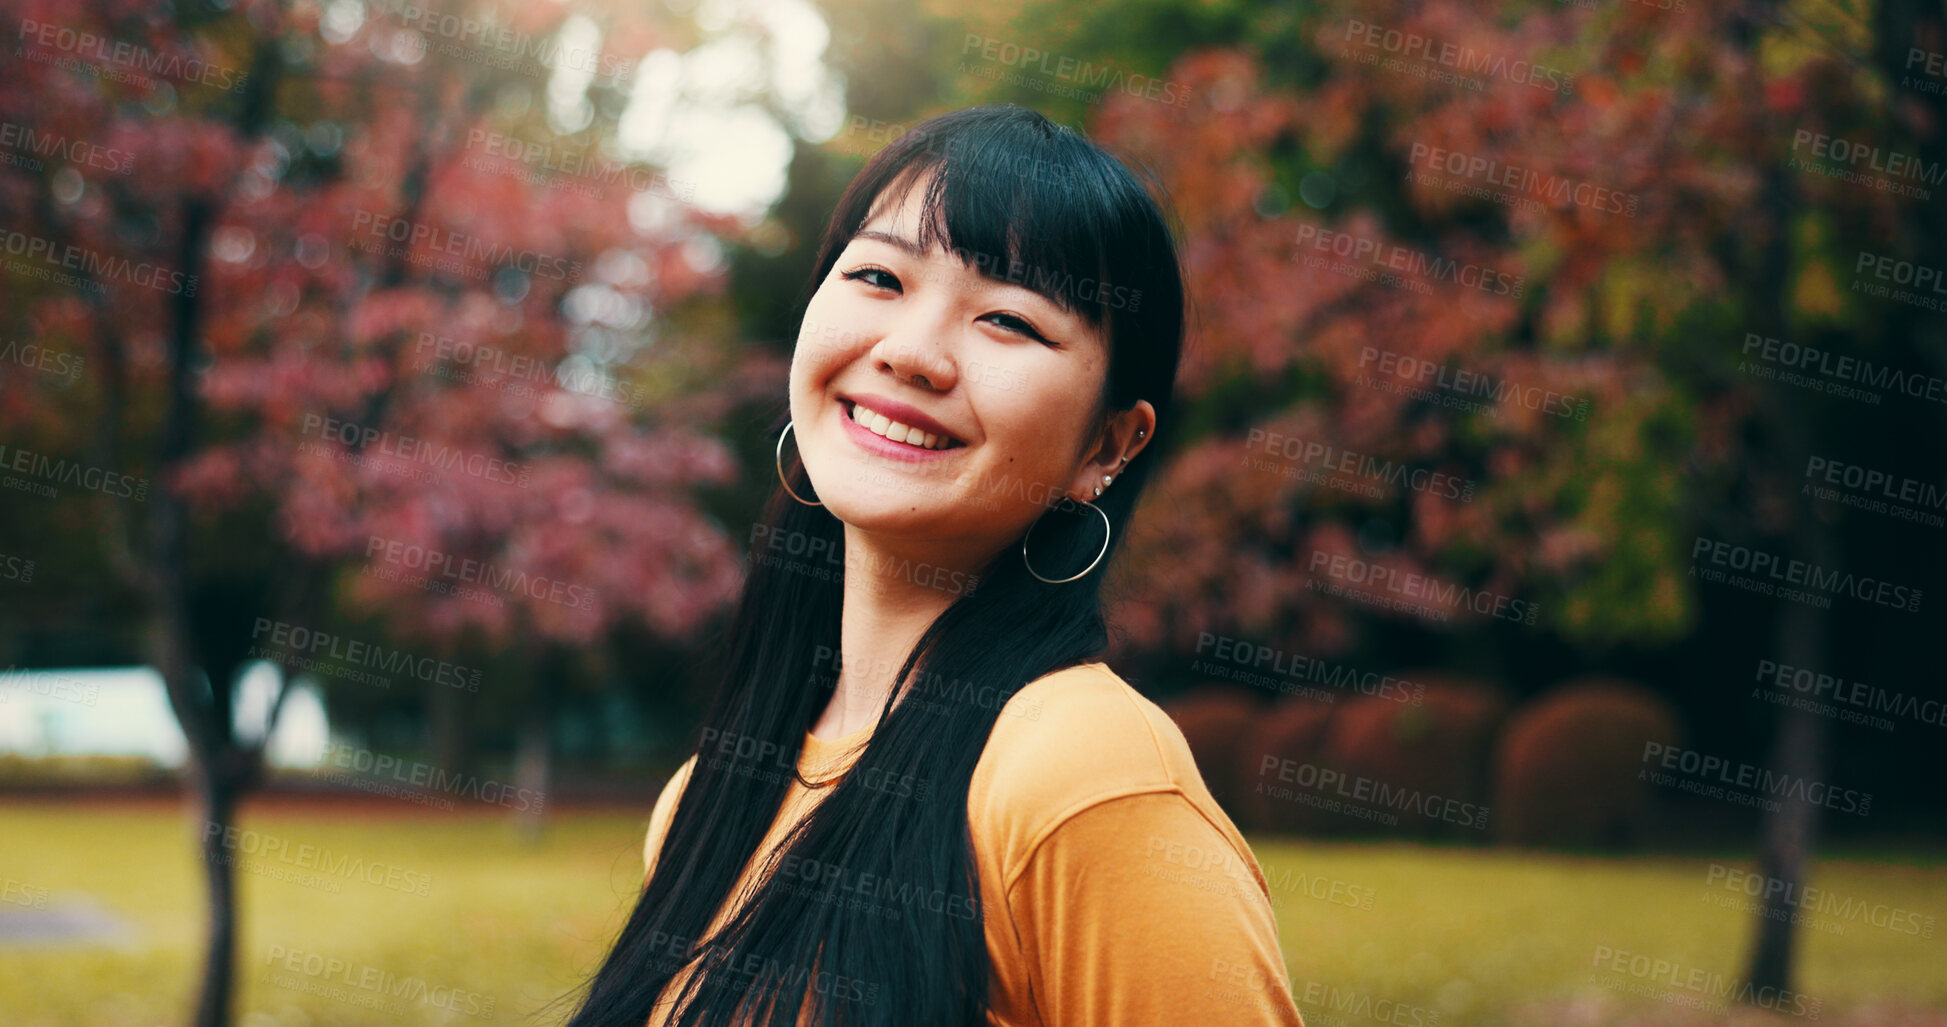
(216,799)
(1798,749)
(446,733)
(534,762)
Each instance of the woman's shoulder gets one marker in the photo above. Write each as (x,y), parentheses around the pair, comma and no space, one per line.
(1097,714)
(1071,740)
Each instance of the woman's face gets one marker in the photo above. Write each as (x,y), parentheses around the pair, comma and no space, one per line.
(1001,383)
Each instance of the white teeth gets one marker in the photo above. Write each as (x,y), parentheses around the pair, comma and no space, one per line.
(880,424)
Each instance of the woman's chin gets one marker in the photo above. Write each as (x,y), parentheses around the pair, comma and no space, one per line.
(893,515)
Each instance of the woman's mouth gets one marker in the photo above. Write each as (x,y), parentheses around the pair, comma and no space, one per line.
(893,431)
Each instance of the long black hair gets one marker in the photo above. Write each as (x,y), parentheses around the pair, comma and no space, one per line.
(870,909)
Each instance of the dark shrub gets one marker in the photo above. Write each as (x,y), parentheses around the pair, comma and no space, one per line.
(1291,734)
(1566,773)
(1418,770)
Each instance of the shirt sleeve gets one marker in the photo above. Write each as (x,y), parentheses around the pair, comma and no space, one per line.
(1138,910)
(659,817)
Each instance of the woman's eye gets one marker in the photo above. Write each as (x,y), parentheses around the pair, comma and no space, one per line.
(860,275)
(1015,324)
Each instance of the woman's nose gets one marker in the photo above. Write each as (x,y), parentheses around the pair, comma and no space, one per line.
(919,352)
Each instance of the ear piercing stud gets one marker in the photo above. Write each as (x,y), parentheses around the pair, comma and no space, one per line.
(1107,479)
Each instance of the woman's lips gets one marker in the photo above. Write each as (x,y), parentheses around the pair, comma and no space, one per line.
(876,441)
(890,428)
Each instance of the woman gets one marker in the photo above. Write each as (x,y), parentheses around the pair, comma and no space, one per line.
(967,819)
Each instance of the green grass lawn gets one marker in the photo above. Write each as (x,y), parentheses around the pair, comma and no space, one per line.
(1374,934)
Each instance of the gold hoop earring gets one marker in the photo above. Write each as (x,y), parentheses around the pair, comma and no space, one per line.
(1106,530)
(780,467)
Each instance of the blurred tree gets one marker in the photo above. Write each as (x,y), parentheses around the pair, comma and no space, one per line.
(371,296)
(1527,249)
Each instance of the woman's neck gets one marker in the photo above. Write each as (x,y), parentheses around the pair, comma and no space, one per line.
(893,592)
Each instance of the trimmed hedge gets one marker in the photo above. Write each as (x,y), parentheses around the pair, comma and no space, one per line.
(1567,772)
(1425,765)
(1294,731)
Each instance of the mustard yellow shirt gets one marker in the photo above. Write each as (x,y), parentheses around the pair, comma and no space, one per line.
(1115,892)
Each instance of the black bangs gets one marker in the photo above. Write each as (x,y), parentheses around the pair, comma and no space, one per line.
(1020,199)
(1014,206)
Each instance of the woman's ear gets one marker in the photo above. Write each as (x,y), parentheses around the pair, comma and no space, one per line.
(1124,435)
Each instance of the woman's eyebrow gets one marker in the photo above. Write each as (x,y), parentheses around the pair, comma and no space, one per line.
(902,242)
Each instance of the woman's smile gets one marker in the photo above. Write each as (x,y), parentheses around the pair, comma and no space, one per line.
(885,428)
